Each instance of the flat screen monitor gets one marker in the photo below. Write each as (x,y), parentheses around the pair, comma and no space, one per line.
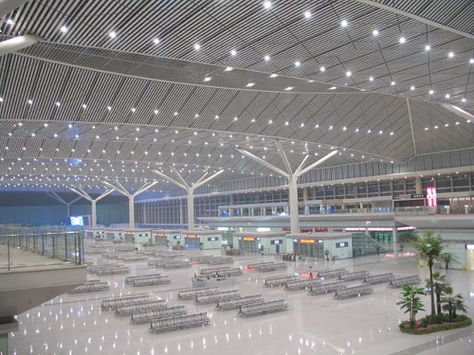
(77,221)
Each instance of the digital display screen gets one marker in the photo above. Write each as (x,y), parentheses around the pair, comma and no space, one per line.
(77,221)
(342,245)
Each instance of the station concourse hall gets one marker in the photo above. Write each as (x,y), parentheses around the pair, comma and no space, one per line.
(262,177)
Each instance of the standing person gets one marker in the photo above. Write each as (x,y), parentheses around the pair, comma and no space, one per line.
(310,272)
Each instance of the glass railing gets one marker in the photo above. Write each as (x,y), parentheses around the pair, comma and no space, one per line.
(26,247)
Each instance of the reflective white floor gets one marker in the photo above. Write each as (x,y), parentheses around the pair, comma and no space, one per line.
(312,325)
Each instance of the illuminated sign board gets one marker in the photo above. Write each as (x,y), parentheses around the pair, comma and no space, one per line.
(342,245)
(192,236)
(307,241)
(248,238)
(431,198)
(160,235)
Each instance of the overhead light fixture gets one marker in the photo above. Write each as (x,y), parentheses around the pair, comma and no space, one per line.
(471,61)
(344,23)
(451,54)
(30,102)
(412,88)
(402,40)
(249,85)
(197,46)
(63,29)
(156,41)
(431,92)
(371,78)
(332,88)
(112,34)
(267,4)
(447,96)
(375,33)
(273,75)
(307,14)
(463,100)
(10,22)
(348,73)
(393,83)
(322,69)
(228,69)
(297,63)
(267,58)
(233,52)
(207,78)
(289,88)
(427,47)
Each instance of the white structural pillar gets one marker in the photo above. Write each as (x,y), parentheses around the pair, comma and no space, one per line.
(131,197)
(292,176)
(63,201)
(189,188)
(81,192)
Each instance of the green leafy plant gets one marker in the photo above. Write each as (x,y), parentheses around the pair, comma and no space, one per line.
(446,258)
(459,322)
(411,302)
(453,304)
(429,247)
(440,287)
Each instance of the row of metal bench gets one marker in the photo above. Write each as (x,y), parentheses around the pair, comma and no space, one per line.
(151,281)
(91,286)
(237,302)
(272,267)
(353,291)
(191,293)
(223,271)
(154,314)
(263,308)
(114,302)
(216,296)
(139,307)
(407,280)
(179,322)
(279,280)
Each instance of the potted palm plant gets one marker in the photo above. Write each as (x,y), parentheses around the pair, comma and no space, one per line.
(411,302)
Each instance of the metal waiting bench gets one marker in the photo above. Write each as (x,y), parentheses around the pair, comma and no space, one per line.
(152,281)
(379,278)
(237,302)
(256,265)
(151,315)
(91,286)
(272,267)
(236,271)
(112,303)
(354,291)
(191,293)
(216,297)
(128,310)
(116,270)
(407,280)
(301,284)
(331,273)
(132,258)
(220,260)
(129,279)
(280,280)
(263,308)
(157,263)
(213,270)
(351,276)
(327,287)
(177,264)
(94,268)
(179,322)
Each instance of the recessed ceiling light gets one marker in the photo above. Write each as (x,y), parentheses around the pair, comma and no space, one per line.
(426,128)
(307,14)
(289,88)
(197,46)
(380,132)
(375,33)
(63,29)
(297,63)
(57,103)
(348,73)
(463,100)
(233,52)
(133,109)
(332,88)
(249,85)
(228,69)
(322,69)
(393,83)
(427,47)
(207,78)
(391,133)
(156,112)
(156,40)
(267,4)
(447,96)
(371,78)
(402,40)
(30,102)
(412,88)
(10,22)
(369,131)
(267,58)
(344,23)
(287,123)
(344,128)
(446,125)
(457,123)
(436,127)
(1,99)
(273,75)
(109,108)
(451,54)
(471,61)
(112,34)
(431,92)
(84,106)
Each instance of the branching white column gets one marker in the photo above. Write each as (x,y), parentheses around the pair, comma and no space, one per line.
(292,177)
(63,201)
(81,192)
(189,188)
(131,197)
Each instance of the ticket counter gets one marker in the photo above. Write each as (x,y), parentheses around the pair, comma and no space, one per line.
(313,245)
(270,243)
(206,239)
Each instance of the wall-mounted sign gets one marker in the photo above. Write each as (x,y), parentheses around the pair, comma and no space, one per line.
(431,197)
(470,246)
(248,238)
(307,241)
(160,235)
(212,239)
(274,242)
(342,245)
(192,236)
